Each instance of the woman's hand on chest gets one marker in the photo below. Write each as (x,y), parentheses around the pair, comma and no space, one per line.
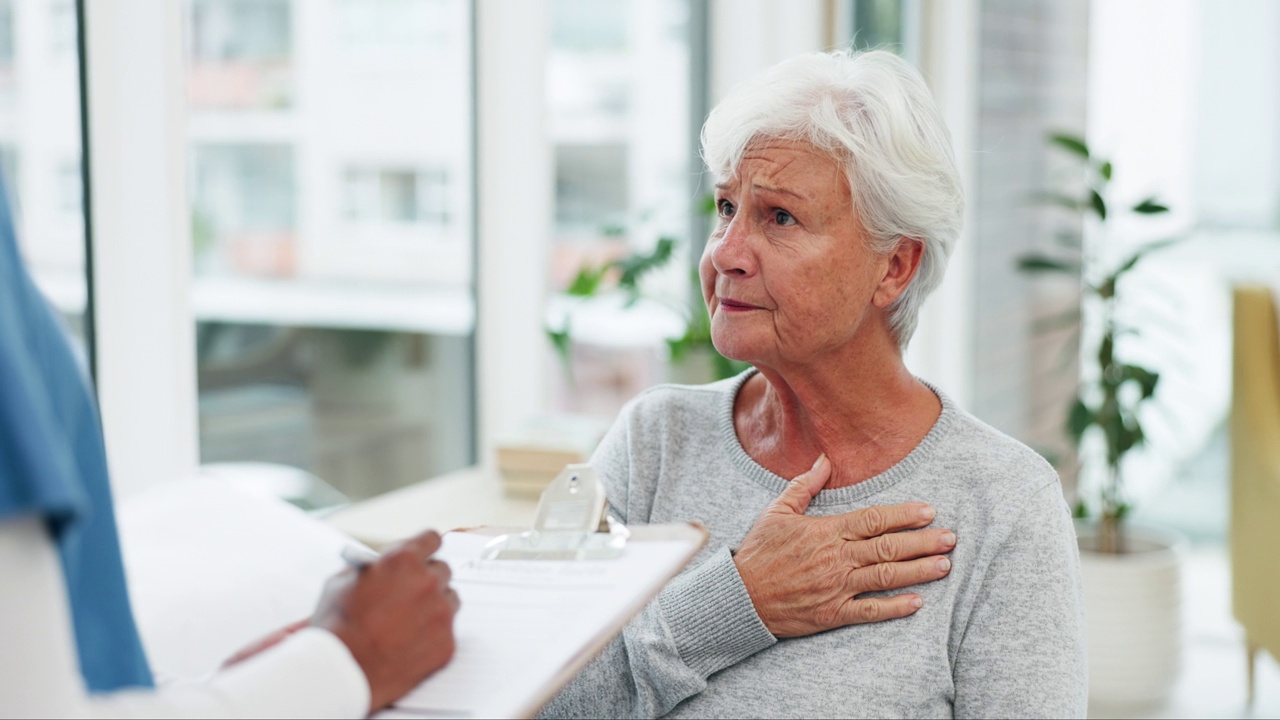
(805,574)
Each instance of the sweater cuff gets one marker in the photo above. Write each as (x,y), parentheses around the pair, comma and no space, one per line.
(711,617)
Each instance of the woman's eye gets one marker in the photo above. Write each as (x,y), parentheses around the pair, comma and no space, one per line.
(782,217)
(725,208)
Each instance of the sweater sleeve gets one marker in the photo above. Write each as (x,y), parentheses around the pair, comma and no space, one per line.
(701,623)
(1023,652)
(311,674)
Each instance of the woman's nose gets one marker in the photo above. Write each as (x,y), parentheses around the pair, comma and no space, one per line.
(731,252)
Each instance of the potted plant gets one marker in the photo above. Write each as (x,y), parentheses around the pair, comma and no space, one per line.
(1131,577)
(623,276)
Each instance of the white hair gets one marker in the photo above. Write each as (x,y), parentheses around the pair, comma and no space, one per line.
(873,113)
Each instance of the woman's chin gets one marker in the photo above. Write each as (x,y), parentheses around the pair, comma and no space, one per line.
(734,348)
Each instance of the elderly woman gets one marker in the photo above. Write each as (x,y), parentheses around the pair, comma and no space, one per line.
(839,203)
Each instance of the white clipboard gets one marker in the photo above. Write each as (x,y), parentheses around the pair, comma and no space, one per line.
(533,616)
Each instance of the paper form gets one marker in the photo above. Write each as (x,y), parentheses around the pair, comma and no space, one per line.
(522,622)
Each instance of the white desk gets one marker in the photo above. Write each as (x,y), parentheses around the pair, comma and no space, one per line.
(466,498)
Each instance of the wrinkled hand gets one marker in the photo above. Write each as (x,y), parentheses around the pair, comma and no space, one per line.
(805,574)
(395,615)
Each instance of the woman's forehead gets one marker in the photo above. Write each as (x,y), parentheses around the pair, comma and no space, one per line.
(788,166)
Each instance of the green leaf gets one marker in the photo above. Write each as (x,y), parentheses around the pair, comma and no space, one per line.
(723,367)
(1107,289)
(1128,435)
(613,230)
(1106,356)
(636,265)
(1071,144)
(1122,510)
(708,205)
(561,341)
(1150,207)
(1142,252)
(586,282)
(679,347)
(1098,204)
(1080,511)
(1105,170)
(1043,263)
(1079,420)
(1146,379)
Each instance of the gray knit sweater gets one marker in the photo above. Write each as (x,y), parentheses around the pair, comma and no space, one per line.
(1001,636)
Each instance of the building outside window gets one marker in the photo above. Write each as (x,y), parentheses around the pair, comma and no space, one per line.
(244,220)
(619,85)
(388,24)
(398,197)
(241,54)
(40,147)
(331,216)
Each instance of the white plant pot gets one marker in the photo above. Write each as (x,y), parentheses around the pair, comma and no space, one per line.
(1133,617)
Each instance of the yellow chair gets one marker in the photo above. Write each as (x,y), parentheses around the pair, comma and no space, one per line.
(1255,472)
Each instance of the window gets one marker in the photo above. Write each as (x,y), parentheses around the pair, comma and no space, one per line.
(241,52)
(62,31)
(887,24)
(619,85)
(8,43)
(331,217)
(377,25)
(377,196)
(70,189)
(591,188)
(40,148)
(243,216)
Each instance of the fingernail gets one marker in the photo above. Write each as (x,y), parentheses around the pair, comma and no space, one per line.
(928,513)
(944,564)
(818,463)
(948,538)
(917,601)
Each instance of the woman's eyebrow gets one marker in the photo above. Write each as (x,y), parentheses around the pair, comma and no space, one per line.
(767,188)
(780,190)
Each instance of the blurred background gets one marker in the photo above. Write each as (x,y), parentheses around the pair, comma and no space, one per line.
(340,247)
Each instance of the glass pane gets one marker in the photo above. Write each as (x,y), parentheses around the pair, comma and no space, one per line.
(619,89)
(40,146)
(332,239)
(878,24)
(241,53)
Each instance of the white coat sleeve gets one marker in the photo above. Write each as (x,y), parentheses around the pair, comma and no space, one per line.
(311,674)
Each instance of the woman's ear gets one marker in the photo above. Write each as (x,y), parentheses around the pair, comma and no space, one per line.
(900,267)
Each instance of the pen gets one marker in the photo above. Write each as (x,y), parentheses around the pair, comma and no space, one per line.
(357,556)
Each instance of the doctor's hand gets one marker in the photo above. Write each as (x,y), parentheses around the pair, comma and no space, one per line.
(804,574)
(395,615)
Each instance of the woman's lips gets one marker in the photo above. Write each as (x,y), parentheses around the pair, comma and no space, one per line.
(736,306)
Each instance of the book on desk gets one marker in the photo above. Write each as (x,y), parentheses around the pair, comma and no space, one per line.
(531,457)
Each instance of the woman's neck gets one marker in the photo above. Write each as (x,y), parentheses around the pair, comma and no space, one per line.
(866,417)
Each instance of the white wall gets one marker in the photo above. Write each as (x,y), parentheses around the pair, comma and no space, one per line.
(1143,90)
(748,36)
(941,350)
(515,204)
(142,244)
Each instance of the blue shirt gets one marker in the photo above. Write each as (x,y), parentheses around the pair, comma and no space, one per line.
(53,464)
